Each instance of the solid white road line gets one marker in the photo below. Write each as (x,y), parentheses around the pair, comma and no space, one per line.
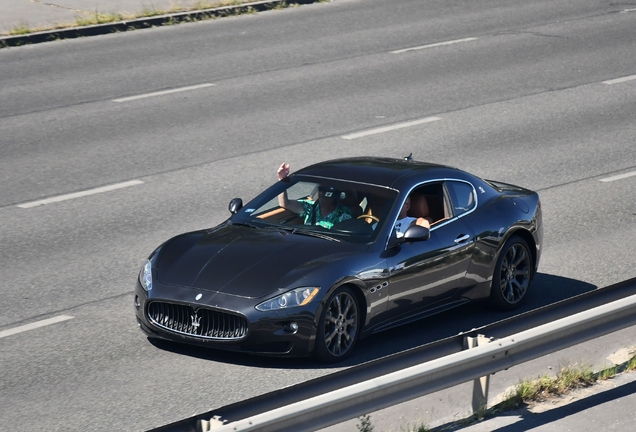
(81,194)
(390,128)
(618,177)
(161,93)
(400,51)
(620,80)
(34,325)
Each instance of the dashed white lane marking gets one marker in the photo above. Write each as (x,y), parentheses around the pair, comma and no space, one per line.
(164,92)
(400,51)
(618,177)
(34,325)
(80,194)
(390,128)
(620,80)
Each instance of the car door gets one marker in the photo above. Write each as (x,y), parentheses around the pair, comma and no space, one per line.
(427,274)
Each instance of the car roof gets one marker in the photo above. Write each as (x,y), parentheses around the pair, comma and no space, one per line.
(395,173)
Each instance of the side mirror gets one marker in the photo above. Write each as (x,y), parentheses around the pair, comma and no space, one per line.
(412,234)
(416,233)
(235,205)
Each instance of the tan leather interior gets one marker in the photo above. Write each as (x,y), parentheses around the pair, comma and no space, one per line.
(428,206)
(281,216)
(271,213)
(435,208)
(419,206)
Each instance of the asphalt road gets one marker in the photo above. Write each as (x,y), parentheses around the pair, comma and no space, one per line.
(534,93)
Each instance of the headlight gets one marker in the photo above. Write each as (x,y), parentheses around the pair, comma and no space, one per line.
(293,298)
(145,276)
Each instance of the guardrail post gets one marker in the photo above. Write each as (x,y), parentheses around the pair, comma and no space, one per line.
(209,425)
(480,385)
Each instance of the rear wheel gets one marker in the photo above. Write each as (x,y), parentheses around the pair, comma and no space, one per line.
(512,276)
(338,326)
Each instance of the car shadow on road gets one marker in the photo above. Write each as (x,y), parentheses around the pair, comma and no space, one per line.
(545,289)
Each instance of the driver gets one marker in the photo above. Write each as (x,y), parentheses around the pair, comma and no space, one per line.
(325,211)
(404,220)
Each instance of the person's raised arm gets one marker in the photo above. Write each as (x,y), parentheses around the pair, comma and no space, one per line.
(283,200)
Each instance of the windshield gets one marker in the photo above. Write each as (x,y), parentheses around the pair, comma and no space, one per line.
(336,209)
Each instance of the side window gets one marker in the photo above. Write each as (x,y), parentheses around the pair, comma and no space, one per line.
(462,196)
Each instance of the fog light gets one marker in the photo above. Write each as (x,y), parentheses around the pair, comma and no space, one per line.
(291,327)
(137,305)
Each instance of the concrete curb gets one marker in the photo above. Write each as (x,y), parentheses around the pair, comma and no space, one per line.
(146,22)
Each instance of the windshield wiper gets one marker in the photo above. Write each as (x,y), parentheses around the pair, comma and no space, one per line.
(245,224)
(301,231)
(314,234)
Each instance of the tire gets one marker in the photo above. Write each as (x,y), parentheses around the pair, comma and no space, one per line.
(513,274)
(338,326)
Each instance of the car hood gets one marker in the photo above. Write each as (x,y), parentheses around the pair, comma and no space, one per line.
(242,261)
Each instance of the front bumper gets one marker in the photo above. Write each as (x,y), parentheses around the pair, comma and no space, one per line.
(266,333)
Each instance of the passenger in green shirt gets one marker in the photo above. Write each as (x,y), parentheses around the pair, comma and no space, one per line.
(325,211)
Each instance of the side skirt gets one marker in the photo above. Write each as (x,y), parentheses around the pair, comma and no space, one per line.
(420,315)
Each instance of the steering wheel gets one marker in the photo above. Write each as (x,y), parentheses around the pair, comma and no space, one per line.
(365,216)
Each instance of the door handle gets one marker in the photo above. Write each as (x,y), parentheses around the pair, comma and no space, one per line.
(462,238)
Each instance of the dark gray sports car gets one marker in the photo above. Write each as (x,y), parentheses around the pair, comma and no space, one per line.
(282,277)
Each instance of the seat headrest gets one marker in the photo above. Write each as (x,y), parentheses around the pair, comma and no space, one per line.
(349,198)
(419,206)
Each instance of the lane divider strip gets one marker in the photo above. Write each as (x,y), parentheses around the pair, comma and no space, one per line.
(618,177)
(620,80)
(390,128)
(164,92)
(80,194)
(34,325)
(434,45)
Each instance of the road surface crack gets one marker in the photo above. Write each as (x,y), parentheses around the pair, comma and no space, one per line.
(53,5)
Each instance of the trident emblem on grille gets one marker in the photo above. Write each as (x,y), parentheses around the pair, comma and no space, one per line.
(195,320)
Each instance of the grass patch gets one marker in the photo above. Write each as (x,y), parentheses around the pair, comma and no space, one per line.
(97,17)
(631,364)
(100,18)
(366,425)
(545,387)
(419,428)
(151,11)
(608,373)
(528,391)
(21,29)
(567,379)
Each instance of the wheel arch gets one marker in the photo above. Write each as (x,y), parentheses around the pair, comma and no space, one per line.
(354,287)
(529,239)
(358,290)
(357,286)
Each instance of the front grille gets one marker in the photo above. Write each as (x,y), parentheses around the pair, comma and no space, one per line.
(212,324)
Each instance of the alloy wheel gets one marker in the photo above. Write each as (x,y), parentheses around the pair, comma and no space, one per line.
(515,273)
(340,326)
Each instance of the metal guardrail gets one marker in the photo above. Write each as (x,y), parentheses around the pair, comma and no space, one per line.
(388,381)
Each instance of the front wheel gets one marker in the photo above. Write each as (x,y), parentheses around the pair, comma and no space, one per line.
(512,276)
(338,326)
